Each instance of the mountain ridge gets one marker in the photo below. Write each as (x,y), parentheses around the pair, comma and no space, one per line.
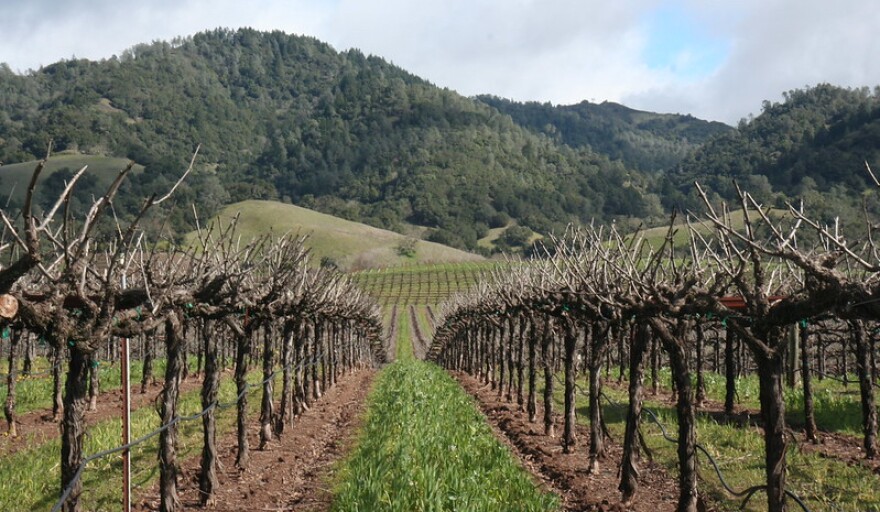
(288,118)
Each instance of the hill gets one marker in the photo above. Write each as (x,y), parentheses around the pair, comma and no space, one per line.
(14,178)
(811,146)
(349,245)
(647,141)
(289,118)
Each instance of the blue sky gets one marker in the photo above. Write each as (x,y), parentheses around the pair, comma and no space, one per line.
(715,59)
(679,44)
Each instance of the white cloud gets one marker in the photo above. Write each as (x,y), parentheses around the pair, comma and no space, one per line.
(778,46)
(562,51)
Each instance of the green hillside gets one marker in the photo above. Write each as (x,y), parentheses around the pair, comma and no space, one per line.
(289,118)
(647,141)
(14,178)
(350,245)
(811,146)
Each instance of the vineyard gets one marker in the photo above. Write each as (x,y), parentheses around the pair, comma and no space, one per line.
(750,310)
(718,367)
(254,323)
(423,284)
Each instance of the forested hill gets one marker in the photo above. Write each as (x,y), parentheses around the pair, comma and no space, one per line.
(641,140)
(811,146)
(289,118)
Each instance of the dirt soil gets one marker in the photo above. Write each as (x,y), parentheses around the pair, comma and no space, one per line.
(566,474)
(293,473)
(37,427)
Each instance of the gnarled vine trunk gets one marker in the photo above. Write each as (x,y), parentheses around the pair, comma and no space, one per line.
(149,350)
(729,372)
(73,428)
(532,405)
(809,412)
(569,439)
(866,387)
(168,465)
(57,385)
(285,417)
(546,340)
(770,374)
(687,436)
(208,473)
(599,341)
(242,357)
(267,407)
(629,473)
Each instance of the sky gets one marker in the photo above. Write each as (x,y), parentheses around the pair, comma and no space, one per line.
(714,59)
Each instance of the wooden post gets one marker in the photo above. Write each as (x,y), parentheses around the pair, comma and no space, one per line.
(792,356)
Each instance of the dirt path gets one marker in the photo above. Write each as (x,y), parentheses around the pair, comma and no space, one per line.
(567,474)
(293,473)
(37,427)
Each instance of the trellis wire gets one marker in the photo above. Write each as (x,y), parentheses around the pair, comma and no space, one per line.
(747,493)
(180,419)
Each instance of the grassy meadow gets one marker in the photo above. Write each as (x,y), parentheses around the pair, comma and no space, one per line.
(350,245)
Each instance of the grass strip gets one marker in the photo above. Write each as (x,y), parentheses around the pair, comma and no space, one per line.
(425,446)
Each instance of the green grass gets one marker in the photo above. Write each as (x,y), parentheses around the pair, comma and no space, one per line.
(18,175)
(825,484)
(426,447)
(493,234)
(681,239)
(352,245)
(837,407)
(35,393)
(29,479)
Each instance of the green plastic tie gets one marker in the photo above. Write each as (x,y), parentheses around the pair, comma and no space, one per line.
(724,322)
(71,343)
(138,310)
(804,323)
(709,315)
(6,333)
(565,307)
(95,364)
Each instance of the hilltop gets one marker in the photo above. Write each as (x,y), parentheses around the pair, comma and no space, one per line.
(647,141)
(349,245)
(289,118)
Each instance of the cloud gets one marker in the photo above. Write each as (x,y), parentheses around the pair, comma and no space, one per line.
(713,59)
(563,51)
(777,46)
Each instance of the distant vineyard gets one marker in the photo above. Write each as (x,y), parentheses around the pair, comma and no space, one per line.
(422,284)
